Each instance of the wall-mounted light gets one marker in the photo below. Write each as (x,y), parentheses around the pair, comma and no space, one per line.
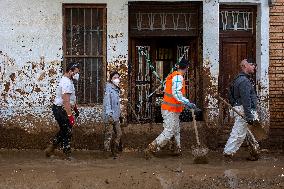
(271,2)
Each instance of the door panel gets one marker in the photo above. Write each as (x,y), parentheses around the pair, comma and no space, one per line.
(232,52)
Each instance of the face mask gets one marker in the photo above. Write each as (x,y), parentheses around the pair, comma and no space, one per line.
(76,76)
(116,81)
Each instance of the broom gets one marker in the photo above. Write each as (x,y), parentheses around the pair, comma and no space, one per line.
(199,152)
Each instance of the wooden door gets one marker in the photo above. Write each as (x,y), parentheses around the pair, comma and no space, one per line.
(233,51)
(237,42)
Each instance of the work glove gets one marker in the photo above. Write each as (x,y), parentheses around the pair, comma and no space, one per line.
(76,111)
(190,105)
(71,120)
(109,118)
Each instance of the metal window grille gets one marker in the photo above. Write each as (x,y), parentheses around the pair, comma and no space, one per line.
(85,43)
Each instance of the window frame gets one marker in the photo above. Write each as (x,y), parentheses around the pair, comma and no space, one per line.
(102,6)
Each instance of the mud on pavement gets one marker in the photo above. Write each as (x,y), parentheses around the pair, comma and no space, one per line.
(92,169)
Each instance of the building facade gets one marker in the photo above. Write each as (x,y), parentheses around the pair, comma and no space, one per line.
(142,40)
(276,73)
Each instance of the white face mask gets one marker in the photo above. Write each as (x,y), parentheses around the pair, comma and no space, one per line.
(116,81)
(76,76)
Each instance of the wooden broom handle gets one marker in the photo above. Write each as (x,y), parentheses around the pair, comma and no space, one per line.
(195,127)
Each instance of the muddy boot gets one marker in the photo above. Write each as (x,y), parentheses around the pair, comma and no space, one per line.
(49,151)
(177,152)
(228,158)
(67,155)
(150,150)
(254,153)
(253,157)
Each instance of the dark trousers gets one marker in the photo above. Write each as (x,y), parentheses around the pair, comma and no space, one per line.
(63,137)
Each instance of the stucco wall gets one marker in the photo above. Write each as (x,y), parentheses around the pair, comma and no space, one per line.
(31,55)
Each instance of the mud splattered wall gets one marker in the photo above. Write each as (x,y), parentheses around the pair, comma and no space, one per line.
(31,56)
(276,71)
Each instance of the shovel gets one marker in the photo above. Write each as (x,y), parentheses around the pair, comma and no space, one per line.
(199,152)
(257,129)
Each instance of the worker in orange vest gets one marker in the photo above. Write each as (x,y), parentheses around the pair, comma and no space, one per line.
(174,102)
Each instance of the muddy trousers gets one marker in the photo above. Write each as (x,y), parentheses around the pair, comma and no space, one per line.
(171,129)
(63,137)
(110,128)
(239,133)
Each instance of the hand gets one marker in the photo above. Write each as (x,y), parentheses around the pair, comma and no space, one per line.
(109,119)
(76,111)
(71,120)
(190,106)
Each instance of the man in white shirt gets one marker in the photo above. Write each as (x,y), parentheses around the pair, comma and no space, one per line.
(64,103)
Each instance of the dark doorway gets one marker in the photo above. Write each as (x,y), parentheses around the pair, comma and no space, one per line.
(146,77)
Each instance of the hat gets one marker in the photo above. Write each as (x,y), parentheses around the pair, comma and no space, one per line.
(183,63)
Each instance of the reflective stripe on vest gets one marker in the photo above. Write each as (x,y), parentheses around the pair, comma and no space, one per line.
(169,102)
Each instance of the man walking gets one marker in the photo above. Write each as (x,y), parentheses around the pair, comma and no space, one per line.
(243,98)
(173,104)
(64,103)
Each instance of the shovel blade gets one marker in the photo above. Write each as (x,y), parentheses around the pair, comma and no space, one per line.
(258,130)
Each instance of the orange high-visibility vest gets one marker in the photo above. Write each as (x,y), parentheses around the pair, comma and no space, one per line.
(169,102)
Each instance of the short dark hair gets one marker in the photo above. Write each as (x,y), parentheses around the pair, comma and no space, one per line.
(72,66)
(112,74)
(183,63)
(250,60)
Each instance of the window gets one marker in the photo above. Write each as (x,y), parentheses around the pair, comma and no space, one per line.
(84,41)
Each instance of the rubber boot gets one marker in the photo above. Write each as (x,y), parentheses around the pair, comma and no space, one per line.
(177,151)
(67,155)
(150,150)
(49,151)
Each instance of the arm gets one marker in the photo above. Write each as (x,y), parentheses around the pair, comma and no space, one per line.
(107,102)
(244,89)
(66,103)
(177,89)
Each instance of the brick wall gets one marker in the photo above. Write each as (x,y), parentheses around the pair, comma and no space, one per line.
(276,71)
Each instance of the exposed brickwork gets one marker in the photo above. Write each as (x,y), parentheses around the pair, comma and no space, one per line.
(276,71)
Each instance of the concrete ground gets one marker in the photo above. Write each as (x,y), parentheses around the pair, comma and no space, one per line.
(22,169)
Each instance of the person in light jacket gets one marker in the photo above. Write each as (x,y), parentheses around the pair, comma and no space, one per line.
(111,114)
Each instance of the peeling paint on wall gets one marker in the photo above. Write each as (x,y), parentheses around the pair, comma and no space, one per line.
(210,85)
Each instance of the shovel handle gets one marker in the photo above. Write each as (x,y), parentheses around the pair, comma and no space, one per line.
(195,127)
(230,106)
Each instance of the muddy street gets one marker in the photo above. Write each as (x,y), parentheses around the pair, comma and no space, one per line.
(91,169)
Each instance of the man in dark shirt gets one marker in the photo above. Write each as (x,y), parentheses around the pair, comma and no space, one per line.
(245,101)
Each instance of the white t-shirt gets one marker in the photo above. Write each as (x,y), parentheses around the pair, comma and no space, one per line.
(65,85)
